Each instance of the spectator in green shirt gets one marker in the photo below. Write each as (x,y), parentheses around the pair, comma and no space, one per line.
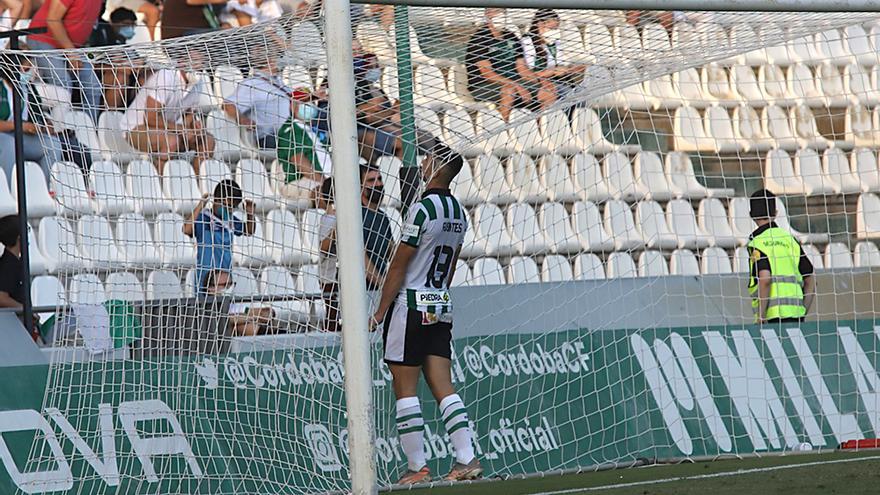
(303,159)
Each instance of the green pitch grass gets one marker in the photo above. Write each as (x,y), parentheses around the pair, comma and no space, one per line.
(845,473)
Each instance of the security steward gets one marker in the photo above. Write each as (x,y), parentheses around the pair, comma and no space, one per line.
(780,274)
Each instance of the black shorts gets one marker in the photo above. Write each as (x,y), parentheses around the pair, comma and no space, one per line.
(407,340)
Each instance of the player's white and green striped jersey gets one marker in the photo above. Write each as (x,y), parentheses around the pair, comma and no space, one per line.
(436,227)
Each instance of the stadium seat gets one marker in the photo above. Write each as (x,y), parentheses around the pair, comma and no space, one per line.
(96,243)
(123,286)
(859,127)
(555,178)
(244,283)
(135,241)
(491,179)
(253,178)
(108,185)
(868,216)
(470,248)
(494,133)
(652,225)
(858,86)
(715,82)
(745,84)
(597,39)
(163,284)
(863,162)
(803,49)
(389,82)
(295,76)
(63,118)
(211,172)
(189,283)
(719,127)
(522,270)
(571,44)
(740,221)
(38,263)
(627,42)
(459,134)
(687,83)
(621,265)
(251,250)
(831,45)
(8,205)
(462,275)
(522,175)
(741,259)
(284,238)
(86,289)
(588,227)
(619,176)
(779,175)
(556,268)
(747,127)
(305,41)
(226,81)
(783,222)
(52,96)
(859,45)
(682,221)
(803,85)
(143,186)
(555,223)
(837,256)
(309,283)
(112,139)
(40,203)
(558,134)
(228,142)
(803,122)
(175,249)
(428,121)
(744,34)
(179,184)
(58,243)
(588,266)
(47,291)
(652,264)
(650,177)
(814,256)
(70,190)
(715,261)
(832,86)
(522,224)
(588,129)
(683,262)
(310,225)
(394,219)
(431,90)
(836,169)
(664,93)
(866,254)
(808,167)
(374,39)
(589,181)
(713,219)
(526,134)
(689,132)
(278,281)
(487,271)
(774,85)
(771,34)
(621,227)
(490,231)
(681,177)
(465,188)
(777,127)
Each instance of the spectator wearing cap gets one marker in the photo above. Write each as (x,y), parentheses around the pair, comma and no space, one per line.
(213,229)
(162,118)
(780,273)
(117,32)
(262,104)
(69,24)
(303,159)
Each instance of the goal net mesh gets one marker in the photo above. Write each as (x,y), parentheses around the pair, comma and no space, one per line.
(610,155)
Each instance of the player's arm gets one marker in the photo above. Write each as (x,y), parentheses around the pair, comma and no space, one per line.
(394,279)
(763,294)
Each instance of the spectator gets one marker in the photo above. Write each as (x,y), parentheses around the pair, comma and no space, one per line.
(162,121)
(303,158)
(40,145)
(213,229)
(246,12)
(491,65)
(149,10)
(117,32)
(245,319)
(378,118)
(15,10)
(121,74)
(541,60)
(262,104)
(12,281)
(186,17)
(327,263)
(69,24)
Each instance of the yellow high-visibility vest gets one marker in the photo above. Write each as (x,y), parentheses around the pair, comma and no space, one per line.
(786,283)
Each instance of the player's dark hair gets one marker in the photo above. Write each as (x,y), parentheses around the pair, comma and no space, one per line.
(121,15)
(228,189)
(762,204)
(9,231)
(448,163)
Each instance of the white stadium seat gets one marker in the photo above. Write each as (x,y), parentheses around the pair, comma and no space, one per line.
(652,264)
(308,283)
(863,162)
(123,286)
(251,250)
(431,90)
(470,248)
(522,175)
(522,270)
(774,85)
(465,188)
(868,216)
(47,291)
(495,132)
(244,283)
(589,181)
(836,168)
(803,122)
(783,222)
(180,186)
(284,238)
(687,83)
(683,262)
(175,249)
(713,219)
(740,221)
(651,222)
(8,205)
(715,261)
(58,243)
(681,177)
(112,138)
(70,190)
(143,186)
(163,284)
(487,271)
(38,263)
(777,127)
(278,281)
(741,260)
(522,224)
(803,86)
(866,253)
(588,226)
(650,177)
(389,167)
(681,219)
(621,227)
(837,255)
(229,144)
(832,46)
(619,177)
(135,241)
(459,134)
(96,243)
(490,231)
(719,128)
(108,185)
(556,225)
(253,178)
(526,134)
(39,202)
(559,136)
(556,268)
(588,129)
(745,84)
(716,85)
(492,181)
(588,266)
(814,256)
(555,179)
(211,172)
(858,85)
(779,175)
(86,289)
(64,118)
(747,127)
(621,265)
(689,131)
(859,44)
(859,127)
(394,219)
(462,275)
(808,167)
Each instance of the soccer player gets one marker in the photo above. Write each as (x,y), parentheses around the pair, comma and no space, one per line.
(416,312)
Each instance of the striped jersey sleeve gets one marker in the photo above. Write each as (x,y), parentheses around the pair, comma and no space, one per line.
(414,227)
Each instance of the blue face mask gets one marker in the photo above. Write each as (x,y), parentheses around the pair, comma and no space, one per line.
(127,32)
(373,75)
(26,77)
(306,112)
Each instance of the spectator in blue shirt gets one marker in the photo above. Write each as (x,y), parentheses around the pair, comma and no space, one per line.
(213,229)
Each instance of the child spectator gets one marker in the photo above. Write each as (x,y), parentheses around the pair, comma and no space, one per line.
(148,9)
(303,157)
(117,32)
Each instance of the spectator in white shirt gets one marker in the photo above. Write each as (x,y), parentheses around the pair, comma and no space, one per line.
(542,60)
(261,103)
(161,120)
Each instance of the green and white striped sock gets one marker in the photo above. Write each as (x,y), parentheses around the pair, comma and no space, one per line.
(456,420)
(410,431)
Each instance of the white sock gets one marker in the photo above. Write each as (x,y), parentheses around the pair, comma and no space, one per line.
(411,431)
(456,420)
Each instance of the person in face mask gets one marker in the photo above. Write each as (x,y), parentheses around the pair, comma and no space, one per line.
(377,227)
(303,159)
(117,32)
(542,60)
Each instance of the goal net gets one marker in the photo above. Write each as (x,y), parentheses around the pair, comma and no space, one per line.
(182,242)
